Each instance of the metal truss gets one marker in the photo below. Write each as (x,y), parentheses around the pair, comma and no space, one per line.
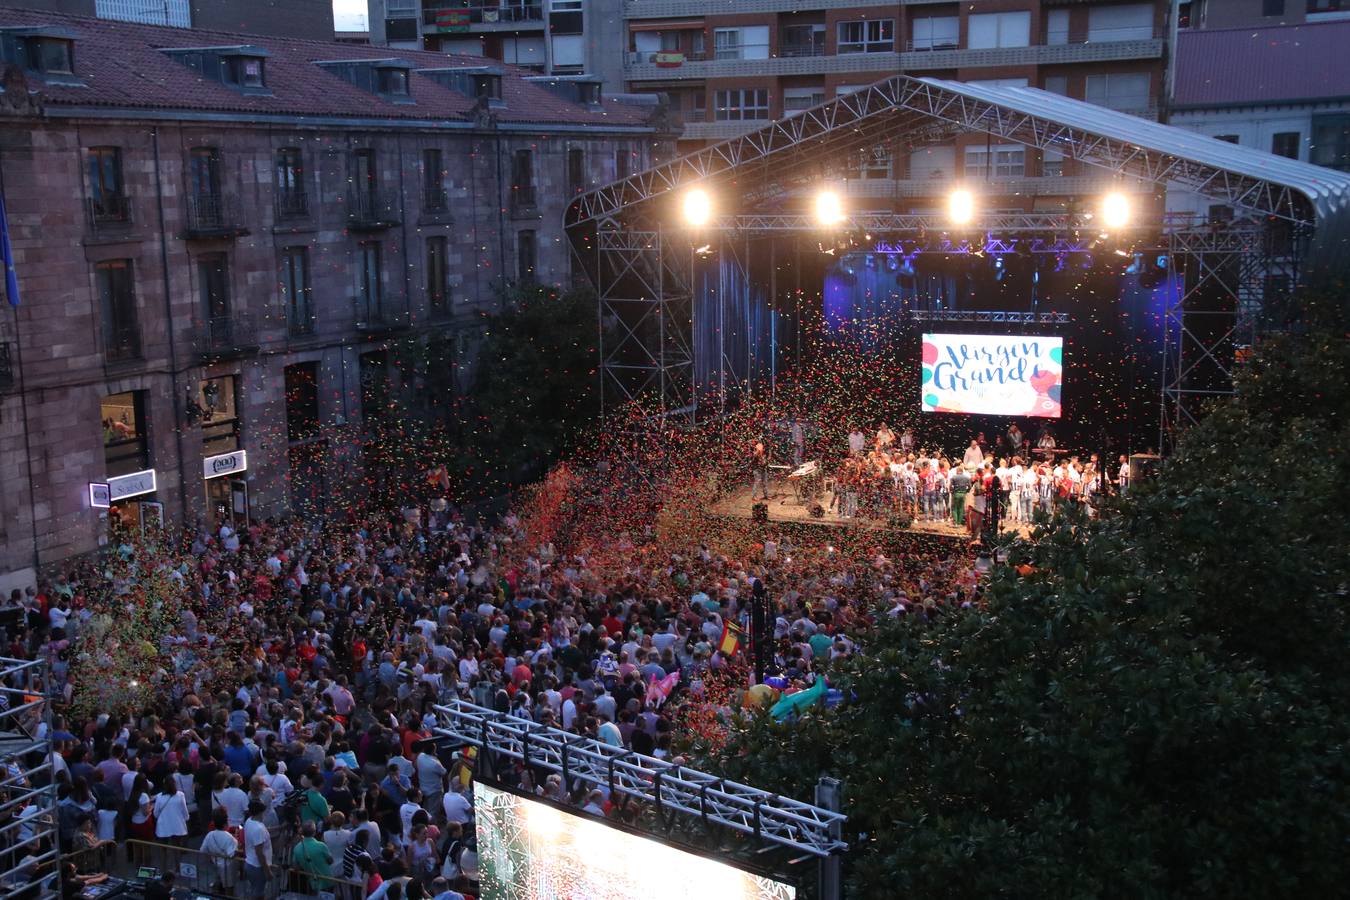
(27,785)
(898,106)
(990,315)
(646,331)
(672,791)
(886,223)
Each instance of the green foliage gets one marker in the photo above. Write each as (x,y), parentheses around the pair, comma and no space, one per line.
(1161,709)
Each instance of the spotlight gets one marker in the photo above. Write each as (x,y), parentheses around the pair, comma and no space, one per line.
(1115,210)
(829,208)
(870,261)
(892,263)
(697,207)
(1136,266)
(907,267)
(999,269)
(961,207)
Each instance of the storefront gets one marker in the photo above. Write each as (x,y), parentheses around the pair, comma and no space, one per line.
(226,489)
(131,499)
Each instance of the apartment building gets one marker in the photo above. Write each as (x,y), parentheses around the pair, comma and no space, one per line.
(1201,14)
(730,67)
(217,244)
(553,37)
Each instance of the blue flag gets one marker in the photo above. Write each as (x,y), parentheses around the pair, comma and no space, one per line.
(7,254)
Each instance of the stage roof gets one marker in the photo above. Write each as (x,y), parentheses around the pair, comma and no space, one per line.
(762,162)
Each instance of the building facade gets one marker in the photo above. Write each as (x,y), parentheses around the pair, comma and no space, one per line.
(1200,14)
(214,256)
(553,37)
(310,19)
(729,68)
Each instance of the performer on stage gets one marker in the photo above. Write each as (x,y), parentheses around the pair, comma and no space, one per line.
(974,457)
(906,442)
(856,442)
(1015,439)
(1123,475)
(885,437)
(798,442)
(960,486)
(759,471)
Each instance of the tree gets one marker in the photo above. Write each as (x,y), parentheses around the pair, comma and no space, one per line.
(1160,709)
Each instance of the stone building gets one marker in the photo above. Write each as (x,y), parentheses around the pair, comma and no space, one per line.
(217,235)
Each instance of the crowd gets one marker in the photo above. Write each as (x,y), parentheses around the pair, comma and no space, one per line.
(284,716)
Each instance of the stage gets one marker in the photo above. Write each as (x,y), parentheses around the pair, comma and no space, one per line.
(785,507)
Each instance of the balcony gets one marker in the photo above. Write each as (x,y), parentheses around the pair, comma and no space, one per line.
(373,210)
(109,214)
(223,337)
(6,366)
(292,203)
(643,67)
(524,203)
(375,320)
(122,344)
(477,19)
(668,9)
(801,50)
(212,217)
(300,325)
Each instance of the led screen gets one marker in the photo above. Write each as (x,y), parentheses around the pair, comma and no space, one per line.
(529,850)
(997,375)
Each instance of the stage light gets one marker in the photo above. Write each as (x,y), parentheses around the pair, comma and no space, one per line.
(829,208)
(999,269)
(961,207)
(907,268)
(1136,266)
(697,207)
(1115,210)
(869,261)
(892,263)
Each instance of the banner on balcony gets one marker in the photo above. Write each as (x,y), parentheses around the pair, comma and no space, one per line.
(668,60)
(452,20)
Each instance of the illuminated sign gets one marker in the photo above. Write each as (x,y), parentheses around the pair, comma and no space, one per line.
(100,495)
(225,464)
(133,485)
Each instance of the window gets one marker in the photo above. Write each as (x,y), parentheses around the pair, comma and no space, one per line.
(936,33)
(1127,91)
(370,295)
(1052,164)
(999,161)
(999,82)
(125,447)
(748,42)
(50,55)
(870,36)
(990,30)
(802,40)
(522,178)
(1057,84)
(558,6)
(622,163)
(295,290)
(1227,138)
(302,401)
(1133,22)
(107,196)
(870,163)
(1331,142)
(576,169)
(393,82)
(797,99)
(525,256)
(117,298)
(698,106)
(843,90)
(437,276)
(244,71)
(219,411)
(1057,27)
(214,284)
(365,173)
(487,85)
(204,173)
(1286,144)
(434,195)
(291,197)
(1272,8)
(741,105)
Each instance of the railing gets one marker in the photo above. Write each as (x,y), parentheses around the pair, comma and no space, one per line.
(212,215)
(204,873)
(225,335)
(736,51)
(6,366)
(797,51)
(374,318)
(486,15)
(109,211)
(298,325)
(436,200)
(925,46)
(373,208)
(122,344)
(292,203)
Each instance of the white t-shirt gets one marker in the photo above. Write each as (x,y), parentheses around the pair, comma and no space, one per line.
(429,772)
(257,844)
(171,815)
(457,808)
(235,803)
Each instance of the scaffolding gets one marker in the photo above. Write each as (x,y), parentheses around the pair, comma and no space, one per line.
(29,851)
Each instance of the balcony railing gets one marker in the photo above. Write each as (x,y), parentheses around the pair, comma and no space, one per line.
(122,344)
(109,212)
(436,200)
(6,366)
(292,203)
(213,216)
(222,336)
(376,318)
(300,324)
(373,209)
(524,200)
(796,51)
(437,22)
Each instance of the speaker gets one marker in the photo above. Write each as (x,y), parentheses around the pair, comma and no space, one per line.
(759,513)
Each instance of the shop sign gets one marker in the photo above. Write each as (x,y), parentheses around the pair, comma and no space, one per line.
(133,485)
(100,495)
(225,464)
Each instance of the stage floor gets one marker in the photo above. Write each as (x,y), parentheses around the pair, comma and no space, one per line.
(784,507)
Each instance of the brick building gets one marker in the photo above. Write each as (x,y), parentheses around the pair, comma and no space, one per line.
(216,236)
(311,19)
(729,67)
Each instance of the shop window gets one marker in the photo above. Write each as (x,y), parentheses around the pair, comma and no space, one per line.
(125,446)
(218,413)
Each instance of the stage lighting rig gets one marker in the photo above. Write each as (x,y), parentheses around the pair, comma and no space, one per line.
(1115,211)
(829,208)
(697,207)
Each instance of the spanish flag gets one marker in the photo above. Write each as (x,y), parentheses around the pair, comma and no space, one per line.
(731,639)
